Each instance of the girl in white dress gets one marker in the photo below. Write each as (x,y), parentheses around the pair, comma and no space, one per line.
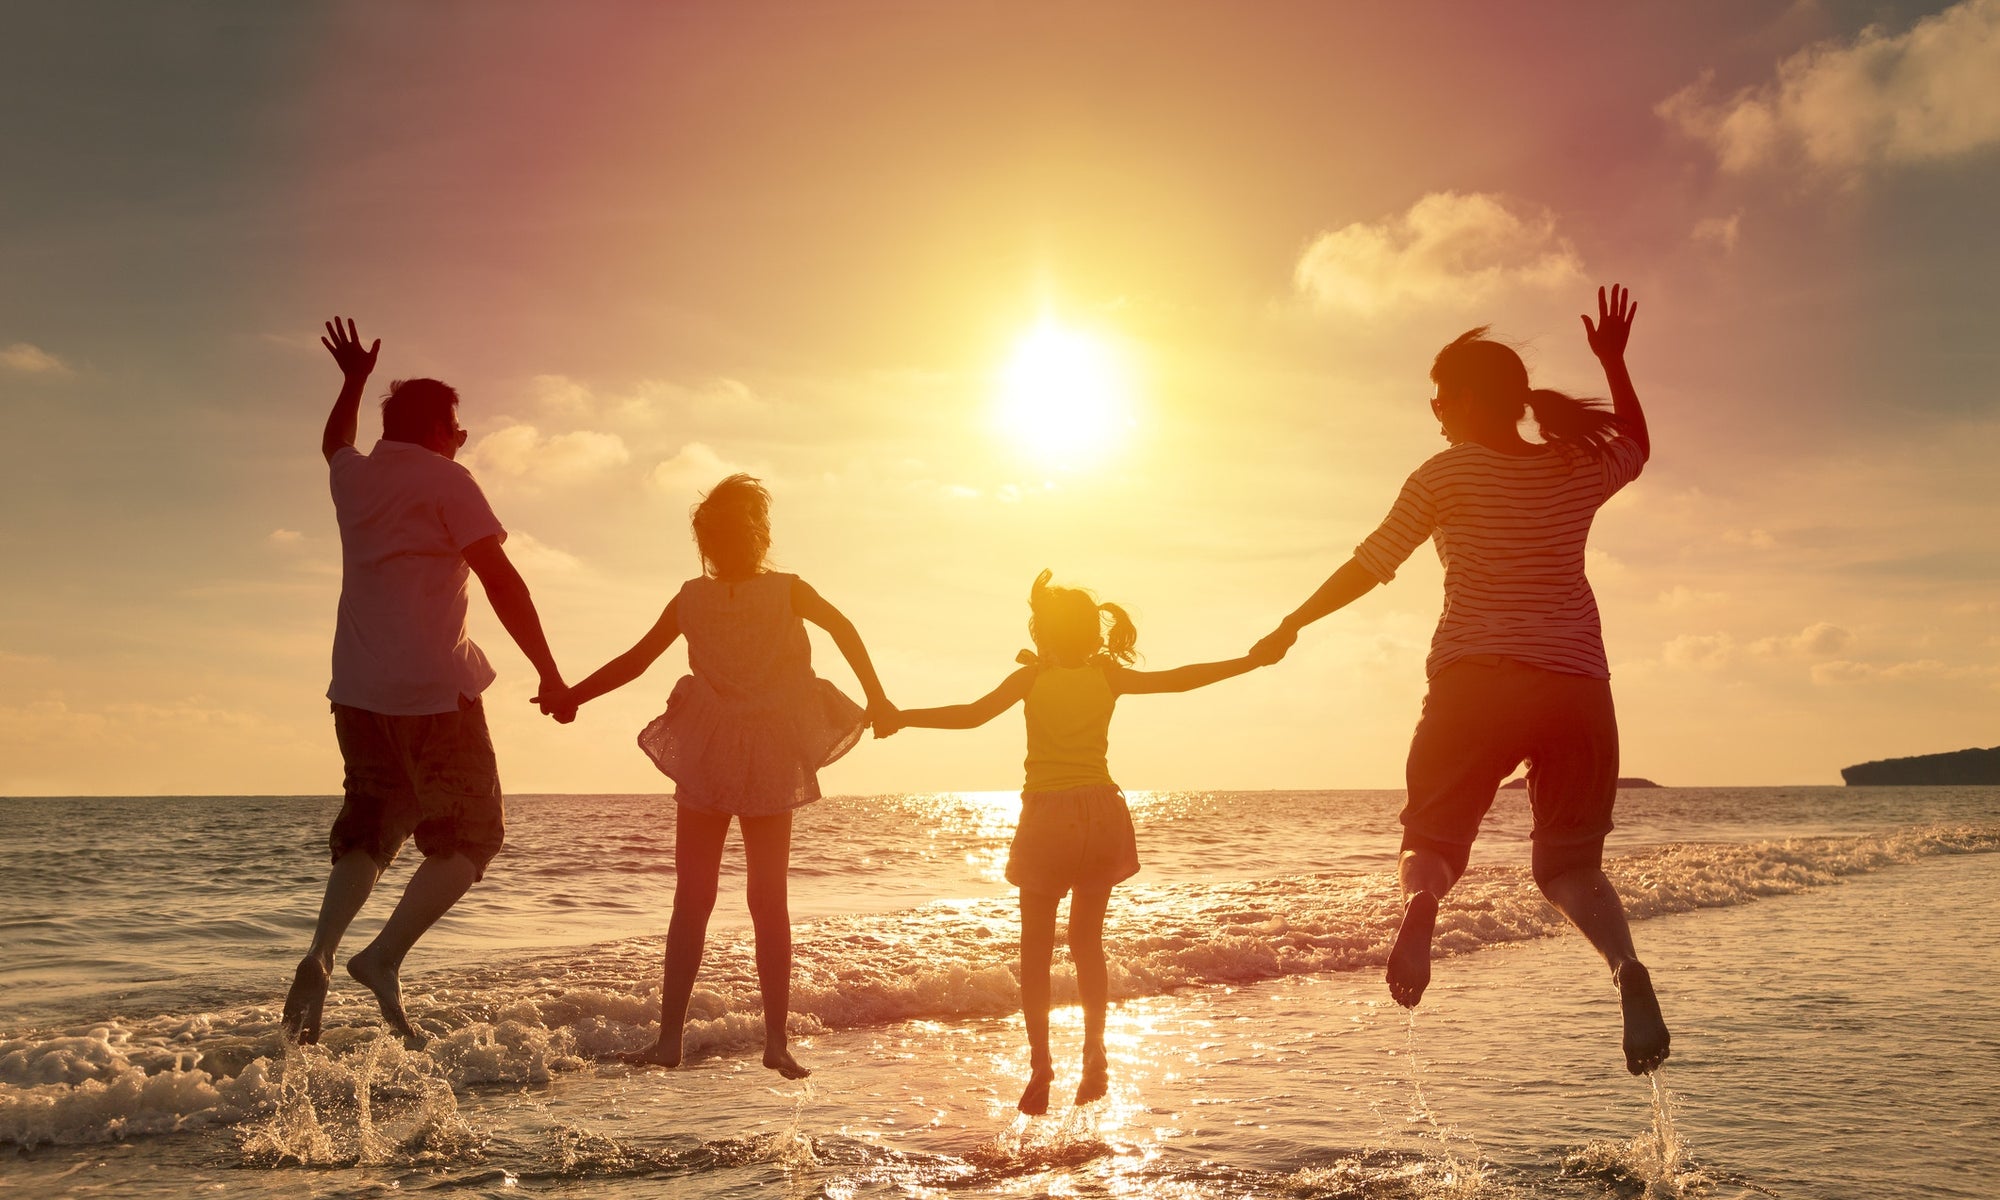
(744,736)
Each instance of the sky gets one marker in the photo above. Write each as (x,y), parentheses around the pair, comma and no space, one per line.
(651,245)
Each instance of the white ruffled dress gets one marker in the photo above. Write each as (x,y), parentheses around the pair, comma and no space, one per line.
(748,730)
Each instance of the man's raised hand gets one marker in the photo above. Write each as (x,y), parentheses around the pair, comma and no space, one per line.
(345,346)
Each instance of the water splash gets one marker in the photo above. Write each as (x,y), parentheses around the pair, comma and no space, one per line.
(379,1104)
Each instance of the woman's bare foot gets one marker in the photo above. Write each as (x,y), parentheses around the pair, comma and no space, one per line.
(659,1054)
(779,1059)
(388,989)
(1035,1100)
(1410,959)
(1096,1080)
(1646,1036)
(306,1001)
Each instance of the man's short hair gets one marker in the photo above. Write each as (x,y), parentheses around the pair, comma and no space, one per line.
(414,407)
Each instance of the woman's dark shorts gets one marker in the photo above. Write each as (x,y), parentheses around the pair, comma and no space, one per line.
(431,775)
(1482,717)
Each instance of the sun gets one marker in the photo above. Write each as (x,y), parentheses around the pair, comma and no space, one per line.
(1064,395)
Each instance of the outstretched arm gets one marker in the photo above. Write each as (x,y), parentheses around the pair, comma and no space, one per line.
(1127,682)
(1342,588)
(1012,691)
(355,365)
(1607,342)
(811,606)
(619,671)
(508,593)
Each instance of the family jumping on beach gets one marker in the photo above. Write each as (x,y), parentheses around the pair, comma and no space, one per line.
(1517,673)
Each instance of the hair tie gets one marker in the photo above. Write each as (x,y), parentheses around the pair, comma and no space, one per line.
(1027,659)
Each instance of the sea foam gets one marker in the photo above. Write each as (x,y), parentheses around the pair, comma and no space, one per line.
(525,1021)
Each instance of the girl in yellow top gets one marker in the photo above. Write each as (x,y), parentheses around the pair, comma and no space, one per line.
(1075,834)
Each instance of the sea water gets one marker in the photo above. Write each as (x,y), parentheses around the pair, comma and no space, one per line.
(1826,958)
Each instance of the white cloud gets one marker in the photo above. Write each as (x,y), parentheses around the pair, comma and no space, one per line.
(1923,95)
(285,537)
(1816,640)
(1830,674)
(537,557)
(1448,246)
(30,359)
(1719,232)
(1699,651)
(697,467)
(522,452)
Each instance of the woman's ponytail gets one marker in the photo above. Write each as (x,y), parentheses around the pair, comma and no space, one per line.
(1585,424)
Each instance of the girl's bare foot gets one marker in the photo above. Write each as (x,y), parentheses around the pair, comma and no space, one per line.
(1035,1100)
(659,1054)
(1646,1036)
(1096,1077)
(1410,959)
(305,1002)
(388,989)
(779,1059)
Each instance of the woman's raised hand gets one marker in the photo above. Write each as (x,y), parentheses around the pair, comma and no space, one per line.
(1272,646)
(1614,323)
(885,718)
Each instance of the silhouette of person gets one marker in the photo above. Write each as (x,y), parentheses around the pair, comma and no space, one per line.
(406,678)
(744,736)
(1075,835)
(1517,669)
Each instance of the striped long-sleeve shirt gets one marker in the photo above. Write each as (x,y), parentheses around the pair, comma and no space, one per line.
(1510,531)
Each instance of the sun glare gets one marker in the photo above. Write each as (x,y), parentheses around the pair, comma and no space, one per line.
(1063,395)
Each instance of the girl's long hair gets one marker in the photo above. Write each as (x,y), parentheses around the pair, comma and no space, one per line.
(1069,623)
(732,526)
(1497,380)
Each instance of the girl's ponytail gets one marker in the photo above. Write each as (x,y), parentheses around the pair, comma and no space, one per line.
(1585,424)
(1122,637)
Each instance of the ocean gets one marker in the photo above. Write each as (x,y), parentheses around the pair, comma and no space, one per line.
(1826,957)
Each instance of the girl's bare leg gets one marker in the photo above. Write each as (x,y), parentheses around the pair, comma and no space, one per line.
(767,851)
(698,838)
(1086,951)
(1038,945)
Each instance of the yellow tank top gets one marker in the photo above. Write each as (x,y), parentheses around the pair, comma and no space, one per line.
(1069,727)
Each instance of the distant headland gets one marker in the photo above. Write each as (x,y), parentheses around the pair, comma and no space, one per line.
(1623,782)
(1963,768)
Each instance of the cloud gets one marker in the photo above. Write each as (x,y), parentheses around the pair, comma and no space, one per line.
(537,557)
(1448,246)
(285,537)
(1817,640)
(1699,651)
(1719,232)
(522,452)
(695,468)
(1921,670)
(30,359)
(646,402)
(1924,95)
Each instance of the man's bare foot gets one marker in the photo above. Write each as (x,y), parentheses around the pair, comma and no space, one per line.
(1646,1036)
(388,991)
(779,1059)
(305,1002)
(659,1054)
(1035,1100)
(1410,959)
(1096,1080)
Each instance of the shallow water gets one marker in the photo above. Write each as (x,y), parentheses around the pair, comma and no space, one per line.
(1825,957)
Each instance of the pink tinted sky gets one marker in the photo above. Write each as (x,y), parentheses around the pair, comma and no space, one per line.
(653,245)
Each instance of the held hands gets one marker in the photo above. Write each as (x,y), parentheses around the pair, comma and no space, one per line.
(345,345)
(1614,324)
(1272,646)
(554,701)
(884,717)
